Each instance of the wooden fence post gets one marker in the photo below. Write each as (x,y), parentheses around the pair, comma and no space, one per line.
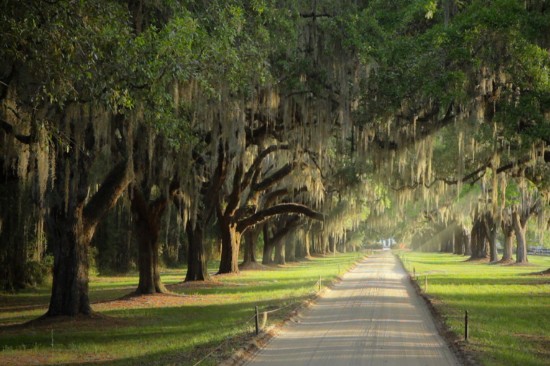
(426,284)
(466,330)
(257,321)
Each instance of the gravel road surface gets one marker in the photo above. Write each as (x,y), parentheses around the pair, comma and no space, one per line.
(372,317)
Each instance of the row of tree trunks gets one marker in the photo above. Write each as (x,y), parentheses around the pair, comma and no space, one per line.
(21,233)
(484,237)
(276,238)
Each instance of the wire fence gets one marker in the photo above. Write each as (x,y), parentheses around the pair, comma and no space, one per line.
(260,324)
(256,319)
(224,343)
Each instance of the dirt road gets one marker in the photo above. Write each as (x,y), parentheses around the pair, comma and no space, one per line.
(373,317)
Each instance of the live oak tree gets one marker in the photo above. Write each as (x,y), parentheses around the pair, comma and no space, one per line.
(49,87)
(485,63)
(183,100)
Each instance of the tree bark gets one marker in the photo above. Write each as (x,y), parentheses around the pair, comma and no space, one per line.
(479,246)
(520,228)
(148,263)
(463,241)
(280,252)
(491,225)
(20,221)
(250,245)
(71,226)
(307,244)
(290,249)
(70,244)
(147,218)
(467,244)
(196,259)
(231,239)
(508,231)
(332,244)
(267,257)
(284,228)
(458,240)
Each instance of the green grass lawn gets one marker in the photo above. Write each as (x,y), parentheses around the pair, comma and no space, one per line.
(180,330)
(508,305)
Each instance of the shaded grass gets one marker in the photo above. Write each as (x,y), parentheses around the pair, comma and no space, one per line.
(204,317)
(508,305)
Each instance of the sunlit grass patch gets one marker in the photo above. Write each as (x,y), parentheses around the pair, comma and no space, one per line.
(163,329)
(508,305)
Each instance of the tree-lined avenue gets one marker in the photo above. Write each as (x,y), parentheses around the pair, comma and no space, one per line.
(372,317)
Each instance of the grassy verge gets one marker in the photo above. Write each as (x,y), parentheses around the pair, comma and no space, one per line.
(163,329)
(508,305)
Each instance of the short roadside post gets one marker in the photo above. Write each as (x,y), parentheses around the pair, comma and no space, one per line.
(466,325)
(426,284)
(257,318)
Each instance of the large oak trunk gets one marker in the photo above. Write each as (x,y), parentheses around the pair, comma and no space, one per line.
(508,232)
(280,252)
(69,244)
(332,244)
(479,245)
(267,257)
(196,259)
(521,251)
(250,245)
(493,252)
(447,245)
(148,253)
(147,218)
(491,224)
(520,228)
(508,246)
(460,239)
(468,244)
(290,249)
(231,239)
(307,244)
(74,213)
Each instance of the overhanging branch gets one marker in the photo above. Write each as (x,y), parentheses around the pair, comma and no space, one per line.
(470,178)
(280,209)
(111,189)
(258,161)
(8,128)
(274,178)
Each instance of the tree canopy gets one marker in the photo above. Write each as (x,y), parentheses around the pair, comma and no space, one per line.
(264,119)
